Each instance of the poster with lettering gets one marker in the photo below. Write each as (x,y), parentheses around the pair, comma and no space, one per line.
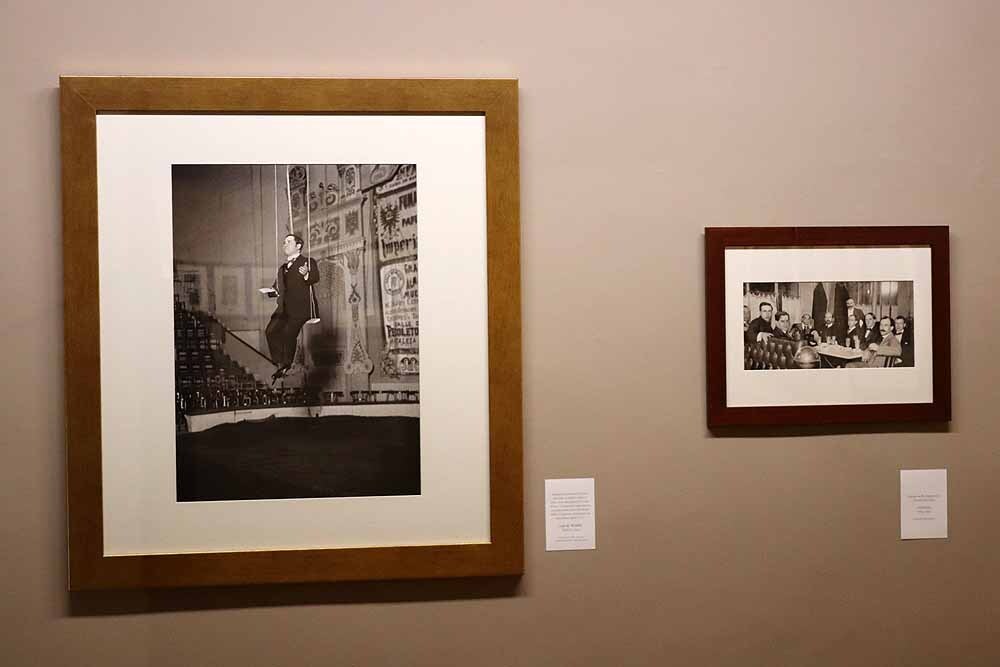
(400,314)
(397,226)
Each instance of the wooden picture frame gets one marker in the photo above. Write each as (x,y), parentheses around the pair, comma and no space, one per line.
(720,353)
(83,100)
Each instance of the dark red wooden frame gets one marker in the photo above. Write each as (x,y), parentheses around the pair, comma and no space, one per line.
(718,239)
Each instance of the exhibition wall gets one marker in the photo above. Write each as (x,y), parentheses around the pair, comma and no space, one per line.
(641,124)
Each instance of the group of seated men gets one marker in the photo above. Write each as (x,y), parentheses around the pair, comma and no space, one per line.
(883,342)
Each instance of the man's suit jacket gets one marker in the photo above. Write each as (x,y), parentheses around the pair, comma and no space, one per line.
(888,348)
(757,326)
(851,333)
(859,317)
(872,336)
(906,342)
(825,332)
(906,338)
(800,332)
(293,289)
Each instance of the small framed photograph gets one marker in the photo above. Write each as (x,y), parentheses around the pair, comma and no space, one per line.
(827,325)
(292,333)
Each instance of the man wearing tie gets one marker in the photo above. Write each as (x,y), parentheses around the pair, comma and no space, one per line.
(295,303)
(859,315)
(872,332)
(905,337)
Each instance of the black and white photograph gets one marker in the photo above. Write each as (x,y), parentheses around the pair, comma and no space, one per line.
(296,330)
(828,325)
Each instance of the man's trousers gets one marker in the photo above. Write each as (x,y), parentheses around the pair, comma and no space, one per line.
(282,334)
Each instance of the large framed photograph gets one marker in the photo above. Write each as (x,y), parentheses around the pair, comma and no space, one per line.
(292,330)
(822,325)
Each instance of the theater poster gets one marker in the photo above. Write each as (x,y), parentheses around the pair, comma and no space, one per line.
(401,315)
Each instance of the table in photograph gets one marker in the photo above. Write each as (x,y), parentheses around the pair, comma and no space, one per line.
(837,356)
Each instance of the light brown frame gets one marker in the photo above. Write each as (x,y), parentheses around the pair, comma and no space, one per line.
(81,100)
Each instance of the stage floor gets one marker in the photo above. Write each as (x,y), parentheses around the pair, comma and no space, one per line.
(201,421)
(295,457)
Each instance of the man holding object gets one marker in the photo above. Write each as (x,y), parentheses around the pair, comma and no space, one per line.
(295,303)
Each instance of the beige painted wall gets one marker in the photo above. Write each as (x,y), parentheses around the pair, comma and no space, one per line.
(641,123)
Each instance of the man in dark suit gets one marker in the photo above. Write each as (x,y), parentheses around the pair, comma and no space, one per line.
(872,332)
(828,330)
(295,303)
(859,315)
(761,328)
(805,330)
(905,337)
(783,326)
(856,332)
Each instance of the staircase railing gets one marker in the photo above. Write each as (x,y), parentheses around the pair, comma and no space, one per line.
(243,353)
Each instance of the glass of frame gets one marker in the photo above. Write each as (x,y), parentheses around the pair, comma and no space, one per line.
(250,395)
(827,325)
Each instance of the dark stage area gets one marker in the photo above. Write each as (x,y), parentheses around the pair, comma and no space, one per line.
(314,457)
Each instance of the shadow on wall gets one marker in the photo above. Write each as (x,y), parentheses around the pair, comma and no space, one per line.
(113,603)
(794,431)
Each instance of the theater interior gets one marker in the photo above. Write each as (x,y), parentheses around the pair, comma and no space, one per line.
(356,360)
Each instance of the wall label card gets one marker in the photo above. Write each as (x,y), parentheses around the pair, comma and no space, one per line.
(923,504)
(569,514)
